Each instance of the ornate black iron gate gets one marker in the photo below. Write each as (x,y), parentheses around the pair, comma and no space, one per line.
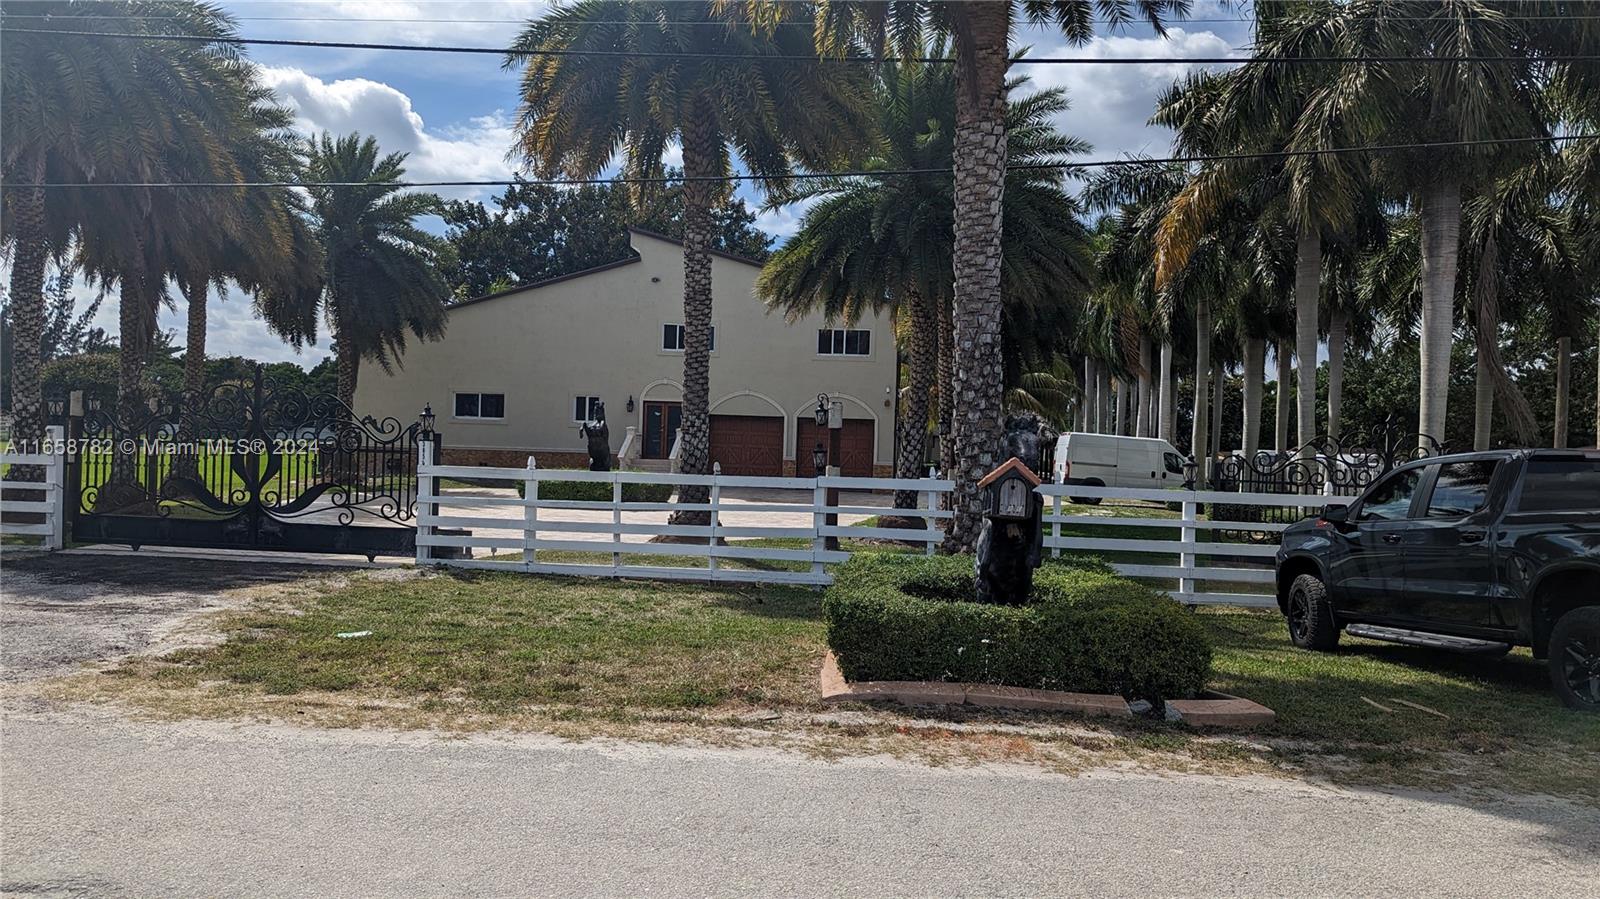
(252,464)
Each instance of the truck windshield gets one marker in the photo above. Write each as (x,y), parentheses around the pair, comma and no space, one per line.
(1561,485)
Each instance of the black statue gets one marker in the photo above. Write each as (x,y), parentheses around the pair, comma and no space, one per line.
(1011,543)
(599,436)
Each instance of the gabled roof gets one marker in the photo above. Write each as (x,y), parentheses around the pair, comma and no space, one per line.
(1014,464)
(597,269)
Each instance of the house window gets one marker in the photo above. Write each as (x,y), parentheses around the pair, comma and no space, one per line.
(844,342)
(585,407)
(672,338)
(480,405)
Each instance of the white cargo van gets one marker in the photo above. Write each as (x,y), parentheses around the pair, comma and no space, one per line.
(1106,460)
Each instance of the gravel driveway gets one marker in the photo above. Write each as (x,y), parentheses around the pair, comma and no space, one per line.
(61,610)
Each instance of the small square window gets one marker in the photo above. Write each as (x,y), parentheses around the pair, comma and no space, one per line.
(466,405)
(672,338)
(585,407)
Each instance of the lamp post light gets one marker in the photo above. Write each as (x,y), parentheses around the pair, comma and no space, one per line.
(830,414)
(1190,469)
(425,419)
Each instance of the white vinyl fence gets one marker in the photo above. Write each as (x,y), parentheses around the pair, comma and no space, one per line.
(1194,552)
(52,506)
(751,537)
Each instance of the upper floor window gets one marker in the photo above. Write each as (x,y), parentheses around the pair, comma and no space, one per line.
(480,405)
(672,338)
(844,342)
(585,407)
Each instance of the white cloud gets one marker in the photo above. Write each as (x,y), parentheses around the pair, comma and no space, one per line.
(472,150)
(1111,104)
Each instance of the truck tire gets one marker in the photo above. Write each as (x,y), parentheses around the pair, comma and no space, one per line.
(1088,500)
(1575,659)
(1310,615)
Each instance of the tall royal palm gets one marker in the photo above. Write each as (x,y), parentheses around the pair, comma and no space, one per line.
(381,271)
(980,33)
(1382,95)
(603,77)
(887,240)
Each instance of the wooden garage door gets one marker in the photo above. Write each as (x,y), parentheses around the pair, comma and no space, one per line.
(855,446)
(748,444)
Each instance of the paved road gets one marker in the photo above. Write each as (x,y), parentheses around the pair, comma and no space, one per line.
(105,807)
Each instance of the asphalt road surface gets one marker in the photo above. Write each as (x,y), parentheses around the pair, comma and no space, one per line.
(95,805)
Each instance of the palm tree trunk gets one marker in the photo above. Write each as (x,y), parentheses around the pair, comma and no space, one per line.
(1280,427)
(348,359)
(1441,244)
(1491,367)
(1107,402)
(1307,287)
(187,464)
(980,177)
(1483,402)
(1216,408)
(1563,391)
(1091,395)
(1338,333)
(1141,427)
(1080,415)
(1199,439)
(922,369)
(1167,413)
(1255,361)
(947,376)
(27,320)
(1121,421)
(694,456)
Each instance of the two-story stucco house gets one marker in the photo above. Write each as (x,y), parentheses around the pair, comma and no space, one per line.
(518,371)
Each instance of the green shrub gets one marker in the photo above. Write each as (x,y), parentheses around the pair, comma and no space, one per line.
(899,617)
(598,492)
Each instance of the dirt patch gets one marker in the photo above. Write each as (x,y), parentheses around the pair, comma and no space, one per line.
(60,611)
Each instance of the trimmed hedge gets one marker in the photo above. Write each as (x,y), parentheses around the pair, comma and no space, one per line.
(1086,630)
(598,492)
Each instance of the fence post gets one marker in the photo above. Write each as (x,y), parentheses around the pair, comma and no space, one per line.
(716,496)
(929,524)
(425,487)
(54,482)
(73,481)
(1186,561)
(819,501)
(1055,528)
(616,521)
(530,516)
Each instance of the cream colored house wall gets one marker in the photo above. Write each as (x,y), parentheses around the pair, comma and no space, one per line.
(599,333)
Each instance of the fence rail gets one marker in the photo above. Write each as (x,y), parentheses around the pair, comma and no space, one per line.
(735,539)
(1195,553)
(44,517)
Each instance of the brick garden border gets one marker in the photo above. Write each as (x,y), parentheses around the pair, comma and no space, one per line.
(1213,709)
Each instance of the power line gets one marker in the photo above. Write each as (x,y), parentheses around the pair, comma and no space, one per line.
(807,176)
(715,23)
(804,57)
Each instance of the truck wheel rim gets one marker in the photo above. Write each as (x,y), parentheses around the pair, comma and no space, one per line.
(1299,614)
(1582,669)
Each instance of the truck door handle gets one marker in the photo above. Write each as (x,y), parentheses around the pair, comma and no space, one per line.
(1471,536)
(1391,538)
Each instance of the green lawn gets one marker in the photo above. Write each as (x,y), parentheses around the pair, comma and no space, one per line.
(497,644)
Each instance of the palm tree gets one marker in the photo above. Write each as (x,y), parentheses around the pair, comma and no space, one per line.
(381,272)
(1375,99)
(578,111)
(980,33)
(886,241)
(86,108)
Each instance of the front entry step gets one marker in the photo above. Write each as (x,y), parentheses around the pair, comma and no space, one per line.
(1423,638)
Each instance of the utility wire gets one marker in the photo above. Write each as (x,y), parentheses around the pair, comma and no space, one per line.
(807,176)
(808,58)
(356,20)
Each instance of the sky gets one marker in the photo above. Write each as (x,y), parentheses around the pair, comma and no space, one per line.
(452,113)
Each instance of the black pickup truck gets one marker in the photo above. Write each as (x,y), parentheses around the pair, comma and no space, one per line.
(1474,552)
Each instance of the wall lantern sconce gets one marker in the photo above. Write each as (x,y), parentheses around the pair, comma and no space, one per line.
(822,410)
(630,402)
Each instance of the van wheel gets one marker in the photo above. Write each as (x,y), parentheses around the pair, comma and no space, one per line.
(1088,500)
(1310,615)
(1575,659)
